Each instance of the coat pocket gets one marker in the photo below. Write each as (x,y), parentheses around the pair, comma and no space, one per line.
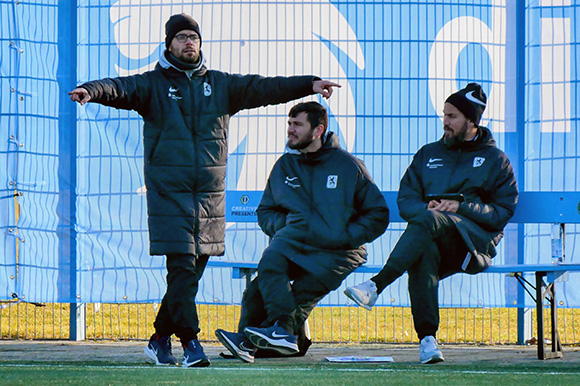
(151,147)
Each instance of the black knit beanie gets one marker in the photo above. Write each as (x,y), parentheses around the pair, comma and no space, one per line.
(471,101)
(178,23)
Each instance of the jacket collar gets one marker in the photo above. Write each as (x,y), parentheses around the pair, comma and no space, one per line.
(199,70)
(484,138)
(330,142)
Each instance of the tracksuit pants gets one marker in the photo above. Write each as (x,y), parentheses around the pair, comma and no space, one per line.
(282,292)
(178,312)
(429,250)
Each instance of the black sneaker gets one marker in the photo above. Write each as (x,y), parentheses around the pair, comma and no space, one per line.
(159,349)
(273,338)
(238,344)
(193,355)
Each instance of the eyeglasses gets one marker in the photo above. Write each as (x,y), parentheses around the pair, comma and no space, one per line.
(182,38)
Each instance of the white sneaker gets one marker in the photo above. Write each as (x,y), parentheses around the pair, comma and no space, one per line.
(428,351)
(364,294)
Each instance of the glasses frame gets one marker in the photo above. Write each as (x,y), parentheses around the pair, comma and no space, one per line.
(183,38)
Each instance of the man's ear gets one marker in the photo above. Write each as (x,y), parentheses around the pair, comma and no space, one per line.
(472,126)
(318,131)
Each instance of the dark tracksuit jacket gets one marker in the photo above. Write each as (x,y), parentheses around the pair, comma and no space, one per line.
(186,116)
(478,170)
(185,144)
(320,209)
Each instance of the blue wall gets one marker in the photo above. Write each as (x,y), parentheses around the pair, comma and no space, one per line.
(81,235)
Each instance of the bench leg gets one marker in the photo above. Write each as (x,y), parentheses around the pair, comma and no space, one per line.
(540,314)
(244,273)
(544,291)
(556,345)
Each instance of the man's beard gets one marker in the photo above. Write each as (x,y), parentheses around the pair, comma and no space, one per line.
(301,145)
(189,59)
(456,139)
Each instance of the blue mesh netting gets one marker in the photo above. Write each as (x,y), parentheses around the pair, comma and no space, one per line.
(81,232)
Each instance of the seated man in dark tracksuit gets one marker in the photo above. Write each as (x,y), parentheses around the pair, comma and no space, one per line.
(320,207)
(447,234)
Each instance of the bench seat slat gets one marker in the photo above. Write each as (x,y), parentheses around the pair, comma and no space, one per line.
(505,268)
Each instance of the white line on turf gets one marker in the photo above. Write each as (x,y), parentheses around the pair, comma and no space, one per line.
(285,369)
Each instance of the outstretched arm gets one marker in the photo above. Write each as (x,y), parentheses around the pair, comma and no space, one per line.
(324,87)
(251,91)
(80,95)
(127,93)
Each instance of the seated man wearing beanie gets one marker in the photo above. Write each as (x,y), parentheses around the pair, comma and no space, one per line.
(320,207)
(447,234)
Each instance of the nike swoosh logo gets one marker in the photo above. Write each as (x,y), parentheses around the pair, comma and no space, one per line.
(276,335)
(289,183)
(243,347)
(171,89)
(470,96)
(431,160)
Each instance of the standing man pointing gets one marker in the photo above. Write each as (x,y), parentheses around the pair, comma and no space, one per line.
(186,110)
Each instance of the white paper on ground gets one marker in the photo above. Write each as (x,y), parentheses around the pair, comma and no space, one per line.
(350,359)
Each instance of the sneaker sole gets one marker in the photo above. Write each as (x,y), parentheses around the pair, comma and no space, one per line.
(151,354)
(265,342)
(202,362)
(352,296)
(432,360)
(232,348)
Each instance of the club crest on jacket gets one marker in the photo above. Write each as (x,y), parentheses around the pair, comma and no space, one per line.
(206,89)
(331,181)
(478,161)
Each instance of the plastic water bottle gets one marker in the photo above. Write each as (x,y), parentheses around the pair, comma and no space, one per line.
(557,252)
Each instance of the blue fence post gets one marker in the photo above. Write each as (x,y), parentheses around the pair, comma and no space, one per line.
(515,148)
(67,171)
(524,314)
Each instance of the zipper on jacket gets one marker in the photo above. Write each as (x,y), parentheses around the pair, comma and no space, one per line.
(455,165)
(195,165)
(311,209)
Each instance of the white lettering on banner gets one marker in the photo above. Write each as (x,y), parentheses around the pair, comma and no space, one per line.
(244,208)
(450,41)
(555,94)
(555,3)
(242,211)
(555,89)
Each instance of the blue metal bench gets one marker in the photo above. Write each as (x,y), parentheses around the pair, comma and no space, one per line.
(533,208)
